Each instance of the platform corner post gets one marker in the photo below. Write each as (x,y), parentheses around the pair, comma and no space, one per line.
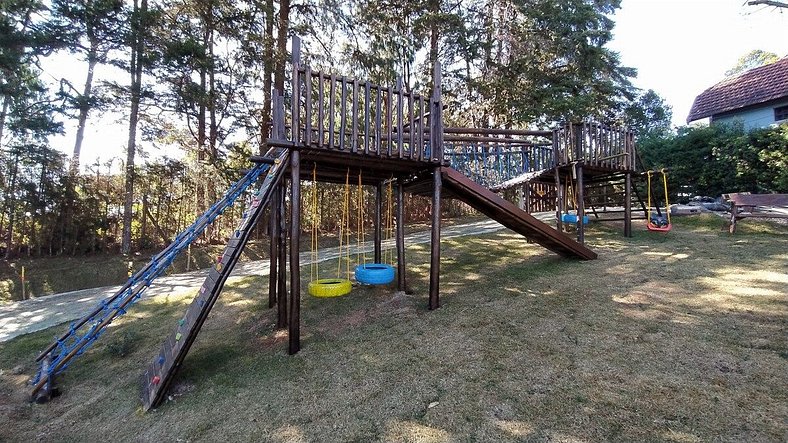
(294,323)
(628,205)
(581,207)
(273,249)
(281,311)
(435,241)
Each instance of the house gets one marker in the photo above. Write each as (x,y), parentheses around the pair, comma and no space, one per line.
(756,98)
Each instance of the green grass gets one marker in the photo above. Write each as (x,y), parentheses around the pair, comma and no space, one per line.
(53,275)
(677,337)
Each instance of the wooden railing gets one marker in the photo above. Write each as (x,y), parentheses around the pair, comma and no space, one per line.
(339,114)
(595,145)
(490,157)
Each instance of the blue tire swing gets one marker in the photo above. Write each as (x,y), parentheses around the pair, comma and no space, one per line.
(326,287)
(374,273)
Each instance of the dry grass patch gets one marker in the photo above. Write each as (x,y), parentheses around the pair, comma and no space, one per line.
(678,337)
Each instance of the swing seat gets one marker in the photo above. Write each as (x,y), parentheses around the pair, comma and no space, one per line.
(330,287)
(652,227)
(572,218)
(374,274)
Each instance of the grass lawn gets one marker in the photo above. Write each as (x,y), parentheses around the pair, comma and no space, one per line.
(678,337)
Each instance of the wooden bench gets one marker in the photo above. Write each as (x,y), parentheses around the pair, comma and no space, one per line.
(745,205)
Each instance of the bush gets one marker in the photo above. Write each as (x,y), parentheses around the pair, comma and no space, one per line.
(720,159)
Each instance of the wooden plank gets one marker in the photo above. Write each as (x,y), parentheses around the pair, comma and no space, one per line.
(343,117)
(411,126)
(378,128)
(389,120)
(308,107)
(321,132)
(354,145)
(399,117)
(332,98)
(366,118)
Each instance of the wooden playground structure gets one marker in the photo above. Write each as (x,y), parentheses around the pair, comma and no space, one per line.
(335,128)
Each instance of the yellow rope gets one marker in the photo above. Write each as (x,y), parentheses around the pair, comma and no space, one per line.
(314,270)
(360,234)
(667,203)
(389,253)
(345,226)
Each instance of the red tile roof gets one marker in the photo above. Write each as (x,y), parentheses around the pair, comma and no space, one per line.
(758,85)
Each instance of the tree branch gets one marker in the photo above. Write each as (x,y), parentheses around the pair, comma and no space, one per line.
(776,4)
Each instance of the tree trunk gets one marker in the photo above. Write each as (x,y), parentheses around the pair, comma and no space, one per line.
(84,109)
(9,239)
(281,45)
(136,87)
(268,68)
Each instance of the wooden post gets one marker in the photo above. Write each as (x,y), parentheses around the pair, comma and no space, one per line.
(378,210)
(627,204)
(521,197)
(581,210)
(732,228)
(435,240)
(273,250)
(294,320)
(401,284)
(281,311)
(559,201)
(527,196)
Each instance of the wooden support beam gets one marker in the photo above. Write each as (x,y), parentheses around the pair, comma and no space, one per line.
(294,320)
(378,228)
(628,205)
(401,283)
(559,201)
(273,229)
(435,241)
(281,291)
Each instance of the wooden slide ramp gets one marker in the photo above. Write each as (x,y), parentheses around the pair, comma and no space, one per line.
(494,206)
(158,376)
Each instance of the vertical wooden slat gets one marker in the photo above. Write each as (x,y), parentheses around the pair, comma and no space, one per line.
(422,132)
(320,111)
(366,118)
(343,117)
(411,128)
(332,98)
(308,106)
(296,99)
(378,128)
(354,144)
(389,120)
(399,118)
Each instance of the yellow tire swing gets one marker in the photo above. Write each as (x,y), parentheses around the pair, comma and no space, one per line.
(329,287)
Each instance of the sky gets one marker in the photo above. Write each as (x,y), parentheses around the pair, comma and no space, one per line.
(679,47)
(682,47)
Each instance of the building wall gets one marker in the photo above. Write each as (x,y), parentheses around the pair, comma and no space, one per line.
(751,118)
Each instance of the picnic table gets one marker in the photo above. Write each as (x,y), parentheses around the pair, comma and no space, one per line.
(746,205)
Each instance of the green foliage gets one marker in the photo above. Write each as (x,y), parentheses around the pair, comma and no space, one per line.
(648,115)
(720,159)
(751,60)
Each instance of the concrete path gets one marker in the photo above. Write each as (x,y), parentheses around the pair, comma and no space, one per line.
(40,313)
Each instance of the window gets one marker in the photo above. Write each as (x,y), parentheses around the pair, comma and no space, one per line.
(781,113)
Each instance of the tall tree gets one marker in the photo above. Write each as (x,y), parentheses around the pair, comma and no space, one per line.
(137,38)
(90,28)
